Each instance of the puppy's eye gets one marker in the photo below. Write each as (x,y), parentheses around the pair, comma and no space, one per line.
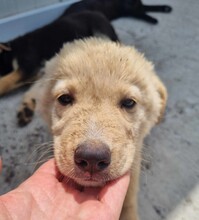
(66,99)
(128,103)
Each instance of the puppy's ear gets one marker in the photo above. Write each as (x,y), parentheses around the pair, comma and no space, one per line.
(163,96)
(4,47)
(47,82)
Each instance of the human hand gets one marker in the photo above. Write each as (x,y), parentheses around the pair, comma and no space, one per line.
(43,196)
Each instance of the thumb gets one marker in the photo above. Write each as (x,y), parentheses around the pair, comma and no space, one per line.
(113,194)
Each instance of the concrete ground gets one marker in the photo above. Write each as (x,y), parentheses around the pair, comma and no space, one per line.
(169,187)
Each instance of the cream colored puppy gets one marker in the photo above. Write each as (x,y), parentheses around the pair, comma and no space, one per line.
(101,99)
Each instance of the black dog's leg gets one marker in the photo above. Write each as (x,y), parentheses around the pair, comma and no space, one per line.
(157,8)
(10,81)
(146,18)
(152,8)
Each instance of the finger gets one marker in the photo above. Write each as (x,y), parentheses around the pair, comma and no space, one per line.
(113,194)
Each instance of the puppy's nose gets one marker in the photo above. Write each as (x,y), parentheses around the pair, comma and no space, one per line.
(92,156)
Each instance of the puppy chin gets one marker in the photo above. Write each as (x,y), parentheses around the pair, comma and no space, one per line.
(89,183)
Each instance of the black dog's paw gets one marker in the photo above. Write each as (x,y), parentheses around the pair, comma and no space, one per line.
(25,113)
(152,20)
(167,8)
(148,18)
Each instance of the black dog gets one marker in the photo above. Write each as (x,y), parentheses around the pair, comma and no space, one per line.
(20,59)
(114,9)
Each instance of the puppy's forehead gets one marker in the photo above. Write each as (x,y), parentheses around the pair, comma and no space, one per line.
(102,65)
(98,58)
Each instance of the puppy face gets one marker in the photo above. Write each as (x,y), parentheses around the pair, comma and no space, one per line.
(101,99)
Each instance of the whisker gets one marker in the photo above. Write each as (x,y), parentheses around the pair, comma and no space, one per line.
(40,154)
